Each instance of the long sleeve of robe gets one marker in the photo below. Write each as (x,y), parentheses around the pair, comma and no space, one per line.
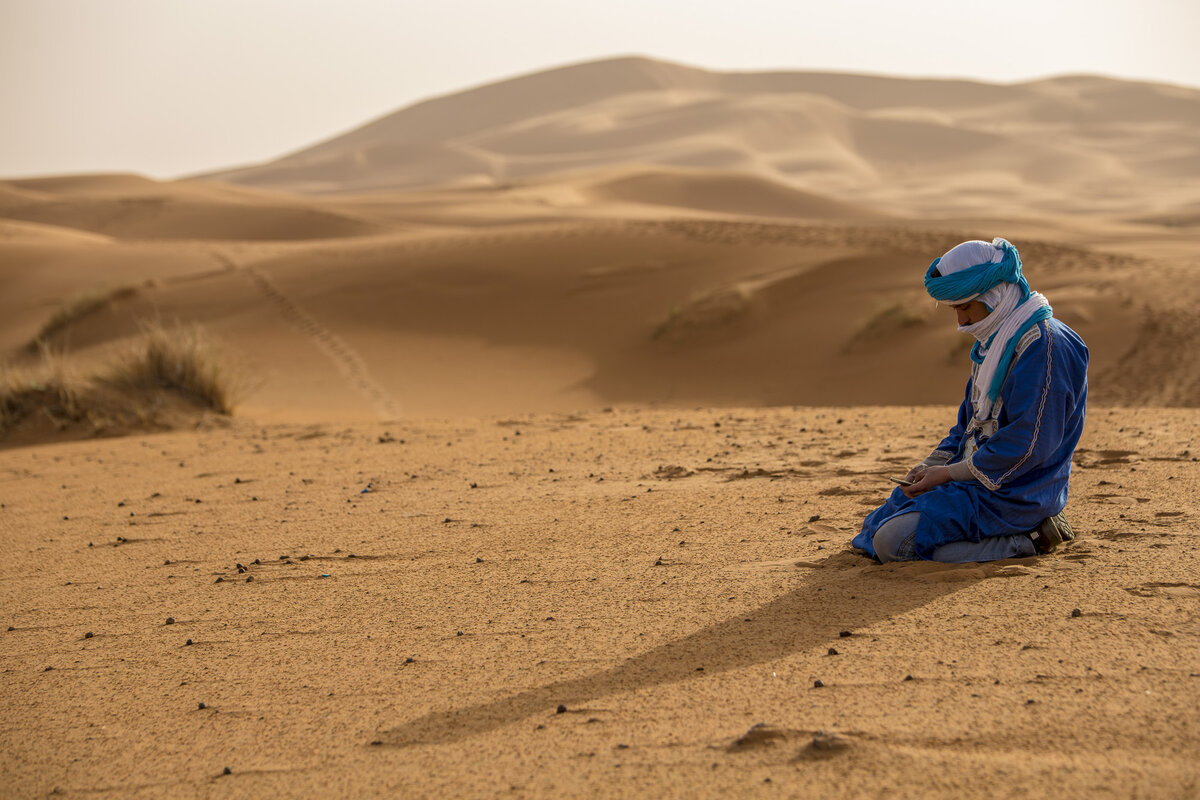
(1021,458)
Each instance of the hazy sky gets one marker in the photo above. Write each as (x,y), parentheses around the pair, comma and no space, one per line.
(167,87)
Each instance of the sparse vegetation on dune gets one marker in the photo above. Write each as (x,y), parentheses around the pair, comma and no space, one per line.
(78,307)
(705,314)
(47,390)
(167,376)
(178,358)
(886,319)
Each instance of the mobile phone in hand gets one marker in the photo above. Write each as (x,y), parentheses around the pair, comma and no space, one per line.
(900,481)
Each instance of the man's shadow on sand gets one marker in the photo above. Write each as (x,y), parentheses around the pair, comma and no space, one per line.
(810,615)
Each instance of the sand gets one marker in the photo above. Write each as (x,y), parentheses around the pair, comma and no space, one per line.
(559,401)
(421,598)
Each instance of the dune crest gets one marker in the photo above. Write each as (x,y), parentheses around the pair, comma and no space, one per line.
(1090,144)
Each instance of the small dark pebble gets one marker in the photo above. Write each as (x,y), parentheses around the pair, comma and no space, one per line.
(818,684)
(478,560)
(658,563)
(844,634)
(249,578)
(833,651)
(11,628)
(908,677)
(170,620)
(409,660)
(1030,702)
(227,771)
(219,580)
(88,635)
(560,710)
(460,633)
(814,518)
(699,669)
(189,641)
(167,562)
(202,706)
(90,544)
(1075,612)
(376,743)
(47,669)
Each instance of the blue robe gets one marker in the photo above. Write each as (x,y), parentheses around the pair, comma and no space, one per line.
(1021,457)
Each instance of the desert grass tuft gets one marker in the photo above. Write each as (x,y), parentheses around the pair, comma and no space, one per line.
(887,319)
(178,358)
(81,305)
(705,313)
(48,389)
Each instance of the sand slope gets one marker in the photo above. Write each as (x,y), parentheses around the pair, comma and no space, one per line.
(463,317)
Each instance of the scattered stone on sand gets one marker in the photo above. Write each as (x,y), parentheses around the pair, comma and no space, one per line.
(202,706)
(561,709)
(88,635)
(833,651)
(1075,612)
(170,621)
(817,684)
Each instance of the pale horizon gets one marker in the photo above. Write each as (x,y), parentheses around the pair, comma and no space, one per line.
(169,89)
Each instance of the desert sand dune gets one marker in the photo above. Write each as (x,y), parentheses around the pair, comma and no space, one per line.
(556,316)
(1083,144)
(127,206)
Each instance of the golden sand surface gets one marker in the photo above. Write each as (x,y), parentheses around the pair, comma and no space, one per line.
(594,604)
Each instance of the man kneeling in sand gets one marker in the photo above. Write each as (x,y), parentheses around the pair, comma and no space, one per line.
(996,486)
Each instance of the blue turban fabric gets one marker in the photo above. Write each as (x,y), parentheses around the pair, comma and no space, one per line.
(976,280)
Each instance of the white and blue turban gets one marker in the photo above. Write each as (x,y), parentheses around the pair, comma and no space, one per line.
(990,273)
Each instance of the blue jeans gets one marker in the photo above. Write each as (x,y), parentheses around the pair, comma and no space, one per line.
(894,542)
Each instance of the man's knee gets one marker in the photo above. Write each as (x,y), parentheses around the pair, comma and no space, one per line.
(894,539)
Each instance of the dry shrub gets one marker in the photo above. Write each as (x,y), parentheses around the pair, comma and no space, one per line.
(47,389)
(887,319)
(166,379)
(177,358)
(706,314)
(81,305)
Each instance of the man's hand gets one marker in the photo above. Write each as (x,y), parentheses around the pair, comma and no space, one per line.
(928,479)
(915,473)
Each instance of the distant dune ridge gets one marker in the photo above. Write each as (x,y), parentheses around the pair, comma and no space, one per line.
(1068,143)
(633,231)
